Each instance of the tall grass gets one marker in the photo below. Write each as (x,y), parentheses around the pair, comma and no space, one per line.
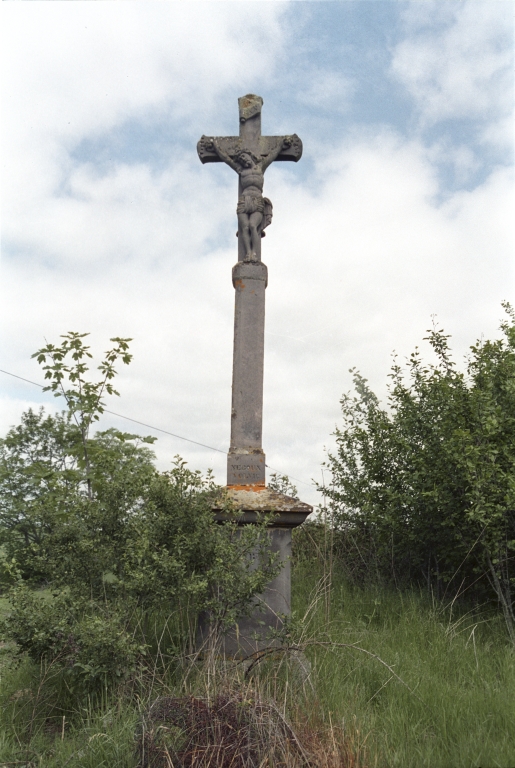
(386,679)
(455,705)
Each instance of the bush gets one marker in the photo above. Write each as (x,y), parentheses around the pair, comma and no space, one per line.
(89,642)
(114,541)
(425,492)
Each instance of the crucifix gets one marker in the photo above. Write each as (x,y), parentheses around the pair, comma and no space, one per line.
(249,154)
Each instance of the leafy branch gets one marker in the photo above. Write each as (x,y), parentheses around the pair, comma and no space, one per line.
(66,367)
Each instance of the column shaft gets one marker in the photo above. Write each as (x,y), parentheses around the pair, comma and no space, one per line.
(246,460)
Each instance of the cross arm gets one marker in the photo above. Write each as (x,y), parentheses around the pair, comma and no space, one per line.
(232,144)
(207,152)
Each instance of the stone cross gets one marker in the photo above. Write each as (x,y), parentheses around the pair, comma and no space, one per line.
(249,154)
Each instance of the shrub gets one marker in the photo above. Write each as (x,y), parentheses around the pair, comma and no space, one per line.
(113,540)
(425,491)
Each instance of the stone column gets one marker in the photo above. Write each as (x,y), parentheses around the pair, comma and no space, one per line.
(250,154)
(246,460)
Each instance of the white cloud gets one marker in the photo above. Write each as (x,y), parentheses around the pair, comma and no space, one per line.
(359,255)
(329,91)
(76,69)
(152,214)
(456,61)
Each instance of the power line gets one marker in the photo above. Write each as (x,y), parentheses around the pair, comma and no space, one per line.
(127,418)
(157,429)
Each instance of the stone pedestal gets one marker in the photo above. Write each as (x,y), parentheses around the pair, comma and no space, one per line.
(250,634)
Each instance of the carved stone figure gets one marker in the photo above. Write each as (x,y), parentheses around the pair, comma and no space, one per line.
(253,210)
(250,154)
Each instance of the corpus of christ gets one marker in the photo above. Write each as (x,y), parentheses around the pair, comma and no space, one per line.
(250,154)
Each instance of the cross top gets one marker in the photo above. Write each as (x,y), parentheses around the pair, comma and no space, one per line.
(250,154)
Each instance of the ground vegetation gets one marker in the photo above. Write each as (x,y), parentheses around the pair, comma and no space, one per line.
(396,652)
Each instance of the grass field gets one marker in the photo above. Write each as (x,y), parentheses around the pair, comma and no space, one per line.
(432,686)
(456,704)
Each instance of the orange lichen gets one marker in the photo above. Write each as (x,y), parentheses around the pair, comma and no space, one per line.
(252,487)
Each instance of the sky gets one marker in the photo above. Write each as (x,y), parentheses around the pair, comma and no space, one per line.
(398,215)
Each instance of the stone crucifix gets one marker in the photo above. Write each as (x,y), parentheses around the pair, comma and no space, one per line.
(249,154)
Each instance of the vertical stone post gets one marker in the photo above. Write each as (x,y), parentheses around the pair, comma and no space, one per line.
(250,138)
(246,459)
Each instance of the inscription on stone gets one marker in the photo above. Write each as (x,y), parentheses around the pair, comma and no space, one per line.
(244,471)
(245,467)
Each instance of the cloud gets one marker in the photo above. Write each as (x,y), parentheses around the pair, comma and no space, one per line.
(360,254)
(80,69)
(327,90)
(456,62)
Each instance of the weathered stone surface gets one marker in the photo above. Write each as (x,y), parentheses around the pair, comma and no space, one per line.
(252,502)
(246,460)
(250,634)
(233,144)
(247,469)
(249,155)
(250,106)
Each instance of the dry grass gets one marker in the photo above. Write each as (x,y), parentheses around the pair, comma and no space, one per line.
(236,729)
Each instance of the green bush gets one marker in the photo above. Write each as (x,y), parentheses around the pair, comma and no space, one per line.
(89,642)
(424,491)
(115,542)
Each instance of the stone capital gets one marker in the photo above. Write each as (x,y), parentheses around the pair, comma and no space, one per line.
(249,270)
(250,502)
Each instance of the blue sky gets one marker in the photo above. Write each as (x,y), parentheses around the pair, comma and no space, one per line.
(337,62)
(400,208)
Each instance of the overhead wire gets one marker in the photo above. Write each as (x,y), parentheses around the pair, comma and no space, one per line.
(157,429)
